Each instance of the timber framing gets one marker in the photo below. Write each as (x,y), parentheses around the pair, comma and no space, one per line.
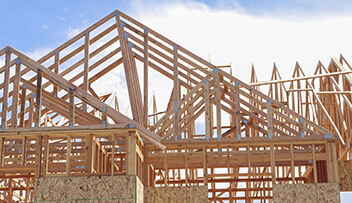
(215,130)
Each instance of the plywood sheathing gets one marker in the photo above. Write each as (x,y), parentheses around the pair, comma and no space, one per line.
(345,175)
(179,194)
(121,188)
(320,192)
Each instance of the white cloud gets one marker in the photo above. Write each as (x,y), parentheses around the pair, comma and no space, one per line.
(45,27)
(66,9)
(37,54)
(73,32)
(230,37)
(61,18)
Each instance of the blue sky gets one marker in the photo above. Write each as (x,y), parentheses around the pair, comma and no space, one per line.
(29,25)
(242,32)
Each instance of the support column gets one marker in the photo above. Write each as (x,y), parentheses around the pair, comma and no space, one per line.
(131,153)
(16,89)
(38,157)
(88,154)
(146,172)
(38,108)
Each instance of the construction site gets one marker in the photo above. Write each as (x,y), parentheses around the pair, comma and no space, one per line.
(216,139)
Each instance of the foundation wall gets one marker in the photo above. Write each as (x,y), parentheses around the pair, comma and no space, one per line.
(192,194)
(124,188)
(320,192)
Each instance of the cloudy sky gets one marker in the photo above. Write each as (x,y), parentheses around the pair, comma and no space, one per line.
(238,32)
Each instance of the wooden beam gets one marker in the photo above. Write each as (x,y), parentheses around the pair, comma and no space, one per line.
(145,86)
(176,95)
(208,117)
(72,108)
(68,154)
(38,157)
(2,150)
(205,165)
(315,172)
(86,68)
(24,150)
(56,70)
(113,149)
(146,166)
(46,156)
(6,88)
(88,163)
(23,105)
(272,161)
(16,89)
(31,107)
(38,107)
(218,103)
(269,118)
(238,110)
(130,72)
(293,171)
(117,116)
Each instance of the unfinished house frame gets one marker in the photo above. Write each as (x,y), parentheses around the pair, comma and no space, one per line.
(216,139)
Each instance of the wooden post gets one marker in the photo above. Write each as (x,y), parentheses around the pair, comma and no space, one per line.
(2,150)
(205,165)
(331,162)
(10,190)
(249,160)
(113,149)
(186,166)
(16,89)
(68,154)
(23,152)
(176,94)
(269,118)
(56,70)
(218,103)
(145,172)
(30,114)
(38,156)
(166,174)
(104,116)
(146,66)
(238,109)
(293,172)
(38,108)
(27,190)
(88,154)
(314,164)
(86,68)
(23,106)
(6,88)
(46,155)
(272,155)
(72,108)
(131,153)
(208,126)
